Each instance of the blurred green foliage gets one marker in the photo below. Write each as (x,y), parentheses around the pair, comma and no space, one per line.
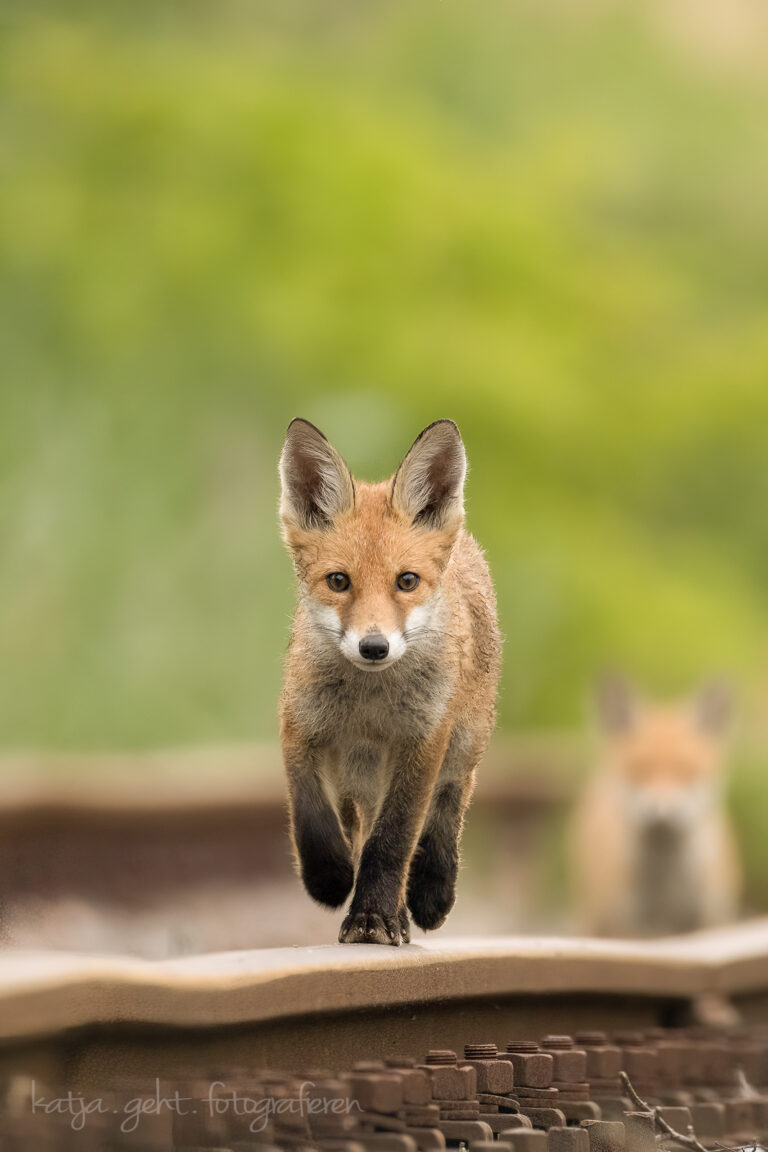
(545,221)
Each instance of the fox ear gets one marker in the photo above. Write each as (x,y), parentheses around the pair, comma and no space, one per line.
(316,483)
(713,707)
(616,704)
(429,484)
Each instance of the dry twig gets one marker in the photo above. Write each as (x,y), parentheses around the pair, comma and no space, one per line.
(687,1139)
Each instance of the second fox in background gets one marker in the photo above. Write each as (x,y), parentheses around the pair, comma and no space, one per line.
(651,844)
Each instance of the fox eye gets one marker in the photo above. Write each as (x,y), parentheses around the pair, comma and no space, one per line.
(407,581)
(338,581)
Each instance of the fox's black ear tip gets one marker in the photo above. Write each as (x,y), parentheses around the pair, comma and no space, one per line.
(299,422)
(445,425)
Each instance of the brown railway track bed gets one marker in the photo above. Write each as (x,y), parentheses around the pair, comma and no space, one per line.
(360,1022)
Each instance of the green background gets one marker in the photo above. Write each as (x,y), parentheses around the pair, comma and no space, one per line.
(547,221)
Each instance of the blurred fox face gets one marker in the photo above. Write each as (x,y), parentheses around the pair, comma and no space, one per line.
(668,770)
(372,581)
(666,761)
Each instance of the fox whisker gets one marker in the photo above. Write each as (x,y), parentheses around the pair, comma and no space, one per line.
(417,633)
(337,633)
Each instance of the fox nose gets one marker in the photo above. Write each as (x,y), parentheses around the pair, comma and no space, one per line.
(374,646)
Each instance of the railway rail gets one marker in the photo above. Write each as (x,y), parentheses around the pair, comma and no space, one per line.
(483,1043)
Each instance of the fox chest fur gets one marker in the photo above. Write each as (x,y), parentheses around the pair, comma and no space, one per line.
(367,724)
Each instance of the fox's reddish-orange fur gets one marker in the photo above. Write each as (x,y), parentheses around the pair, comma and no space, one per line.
(380,757)
(652,847)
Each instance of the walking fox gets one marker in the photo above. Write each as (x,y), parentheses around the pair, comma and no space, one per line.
(390,683)
(653,851)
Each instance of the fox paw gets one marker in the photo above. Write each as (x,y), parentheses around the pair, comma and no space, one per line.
(430,906)
(371,928)
(432,883)
(329,882)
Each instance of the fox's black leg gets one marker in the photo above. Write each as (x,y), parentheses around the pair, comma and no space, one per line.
(322,850)
(435,863)
(375,912)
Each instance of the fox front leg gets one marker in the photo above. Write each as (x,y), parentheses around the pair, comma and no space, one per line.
(322,850)
(377,914)
(435,864)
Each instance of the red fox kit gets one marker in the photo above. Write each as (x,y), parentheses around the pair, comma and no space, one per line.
(653,851)
(389,695)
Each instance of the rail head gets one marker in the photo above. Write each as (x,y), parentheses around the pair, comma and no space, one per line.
(44,993)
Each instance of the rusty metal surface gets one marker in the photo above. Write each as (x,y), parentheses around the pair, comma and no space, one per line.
(626,1091)
(43,992)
